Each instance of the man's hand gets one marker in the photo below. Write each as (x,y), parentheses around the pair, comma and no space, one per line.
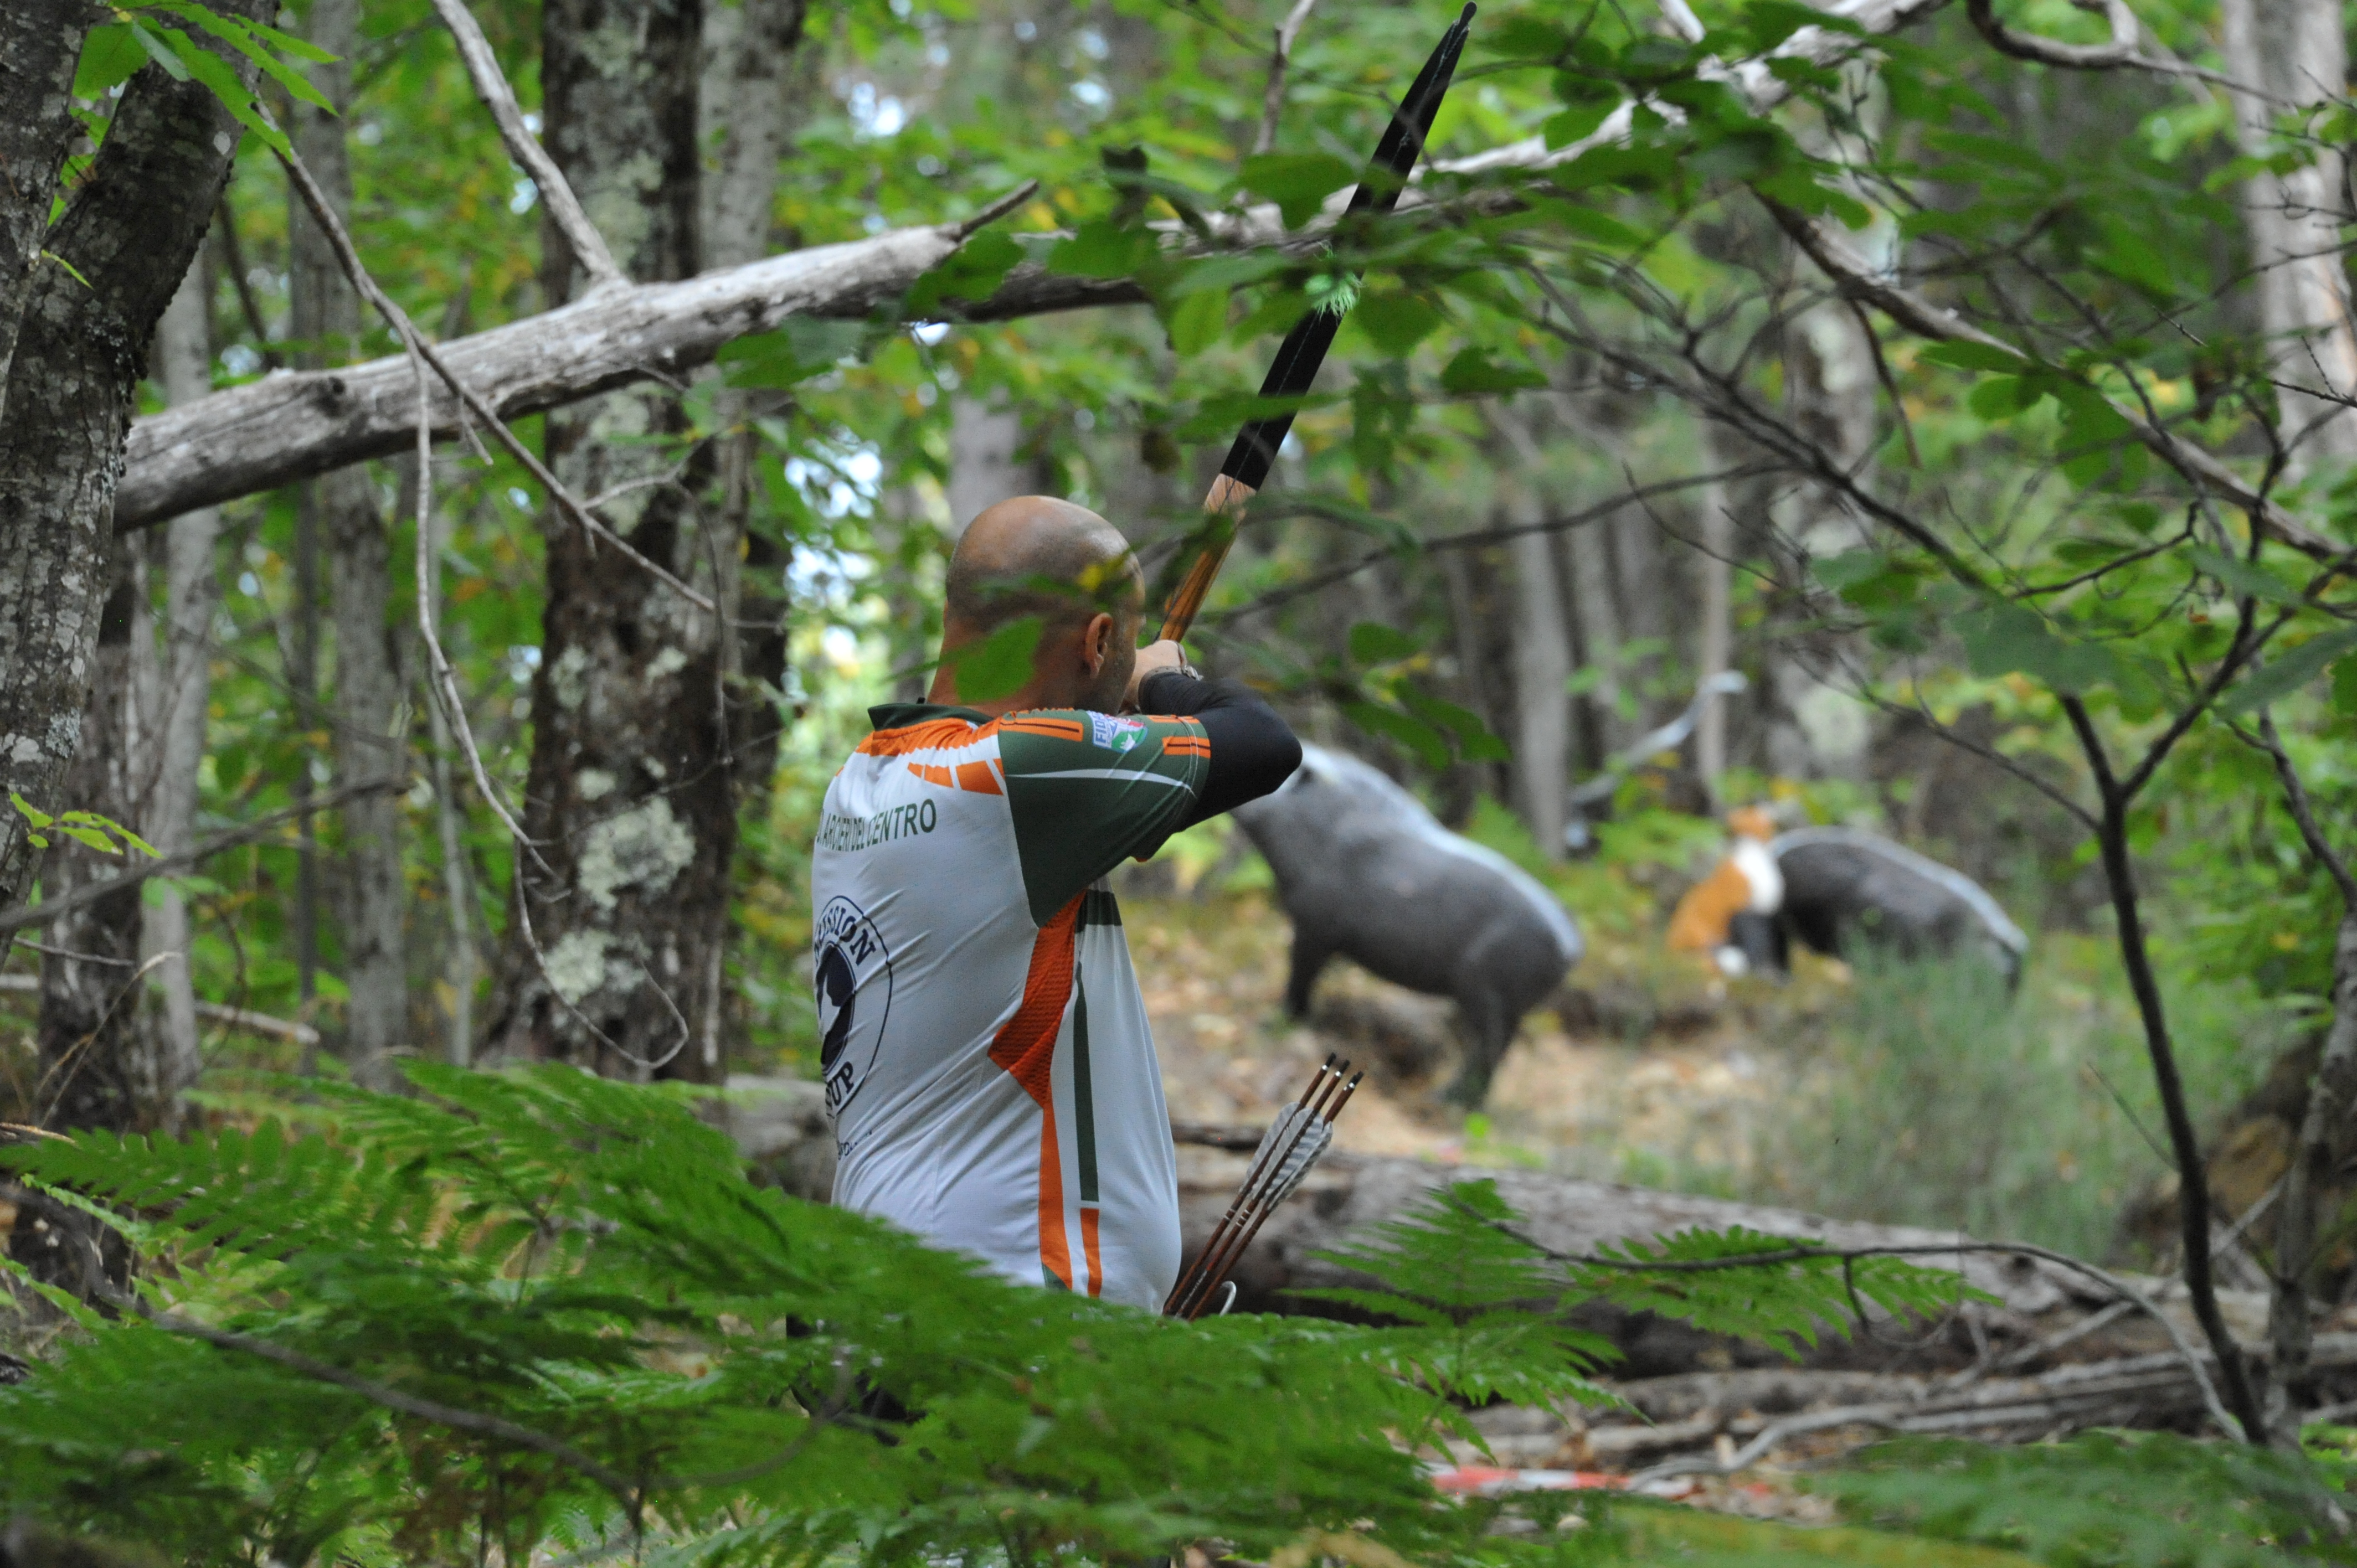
(1153,659)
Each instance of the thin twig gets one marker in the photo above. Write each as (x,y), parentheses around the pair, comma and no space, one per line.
(415,343)
(581,236)
(1271,103)
(81,897)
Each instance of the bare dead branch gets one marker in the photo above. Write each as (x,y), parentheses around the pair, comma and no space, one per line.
(2121,54)
(581,236)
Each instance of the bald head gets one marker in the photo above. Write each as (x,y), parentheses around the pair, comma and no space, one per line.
(1037,556)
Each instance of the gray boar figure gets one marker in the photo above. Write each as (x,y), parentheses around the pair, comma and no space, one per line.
(1366,872)
(1845,889)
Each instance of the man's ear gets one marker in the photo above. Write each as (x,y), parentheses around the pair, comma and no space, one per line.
(1096,641)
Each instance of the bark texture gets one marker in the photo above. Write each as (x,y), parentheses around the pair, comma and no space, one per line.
(131,232)
(40,42)
(1541,668)
(985,467)
(179,689)
(1716,638)
(343,511)
(754,89)
(94,1072)
(615,940)
(2297,52)
(284,427)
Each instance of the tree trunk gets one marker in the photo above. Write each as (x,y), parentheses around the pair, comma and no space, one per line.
(2297,52)
(1717,638)
(1541,668)
(182,689)
(124,243)
(365,710)
(752,96)
(1596,632)
(615,940)
(94,1071)
(983,467)
(40,42)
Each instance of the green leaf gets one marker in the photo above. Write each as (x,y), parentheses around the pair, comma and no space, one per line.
(214,72)
(1475,741)
(1396,323)
(800,347)
(256,43)
(1198,321)
(1298,183)
(1473,374)
(1000,664)
(2288,672)
(970,273)
(1372,642)
(1575,124)
(2344,687)
(162,53)
(2244,578)
(1421,741)
(1104,249)
(109,57)
(2004,639)
(2002,397)
(31,813)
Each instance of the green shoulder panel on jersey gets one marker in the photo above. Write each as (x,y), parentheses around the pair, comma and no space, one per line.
(1088,791)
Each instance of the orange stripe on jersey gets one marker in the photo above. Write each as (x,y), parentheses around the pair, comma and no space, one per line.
(931,774)
(930,736)
(1025,1049)
(1089,1246)
(1035,723)
(976,776)
(1187,745)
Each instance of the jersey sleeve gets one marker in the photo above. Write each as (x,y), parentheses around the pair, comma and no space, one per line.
(1087,791)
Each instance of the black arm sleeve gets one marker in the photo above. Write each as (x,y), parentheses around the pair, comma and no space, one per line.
(1253,752)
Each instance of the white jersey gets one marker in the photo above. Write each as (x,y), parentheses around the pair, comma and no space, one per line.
(985,1051)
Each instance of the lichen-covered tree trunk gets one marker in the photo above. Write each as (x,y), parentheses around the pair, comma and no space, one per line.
(753,95)
(2297,52)
(39,41)
(177,691)
(343,511)
(122,246)
(94,1072)
(614,945)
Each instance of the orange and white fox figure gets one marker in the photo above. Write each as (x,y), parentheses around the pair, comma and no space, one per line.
(1747,882)
(985,1052)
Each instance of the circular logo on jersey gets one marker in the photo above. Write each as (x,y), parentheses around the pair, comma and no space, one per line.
(853,981)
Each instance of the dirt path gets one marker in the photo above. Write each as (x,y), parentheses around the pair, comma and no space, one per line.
(1670,1112)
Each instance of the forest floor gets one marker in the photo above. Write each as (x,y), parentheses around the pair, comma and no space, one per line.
(1644,1087)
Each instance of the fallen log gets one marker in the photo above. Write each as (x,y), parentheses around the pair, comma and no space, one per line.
(2046,1315)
